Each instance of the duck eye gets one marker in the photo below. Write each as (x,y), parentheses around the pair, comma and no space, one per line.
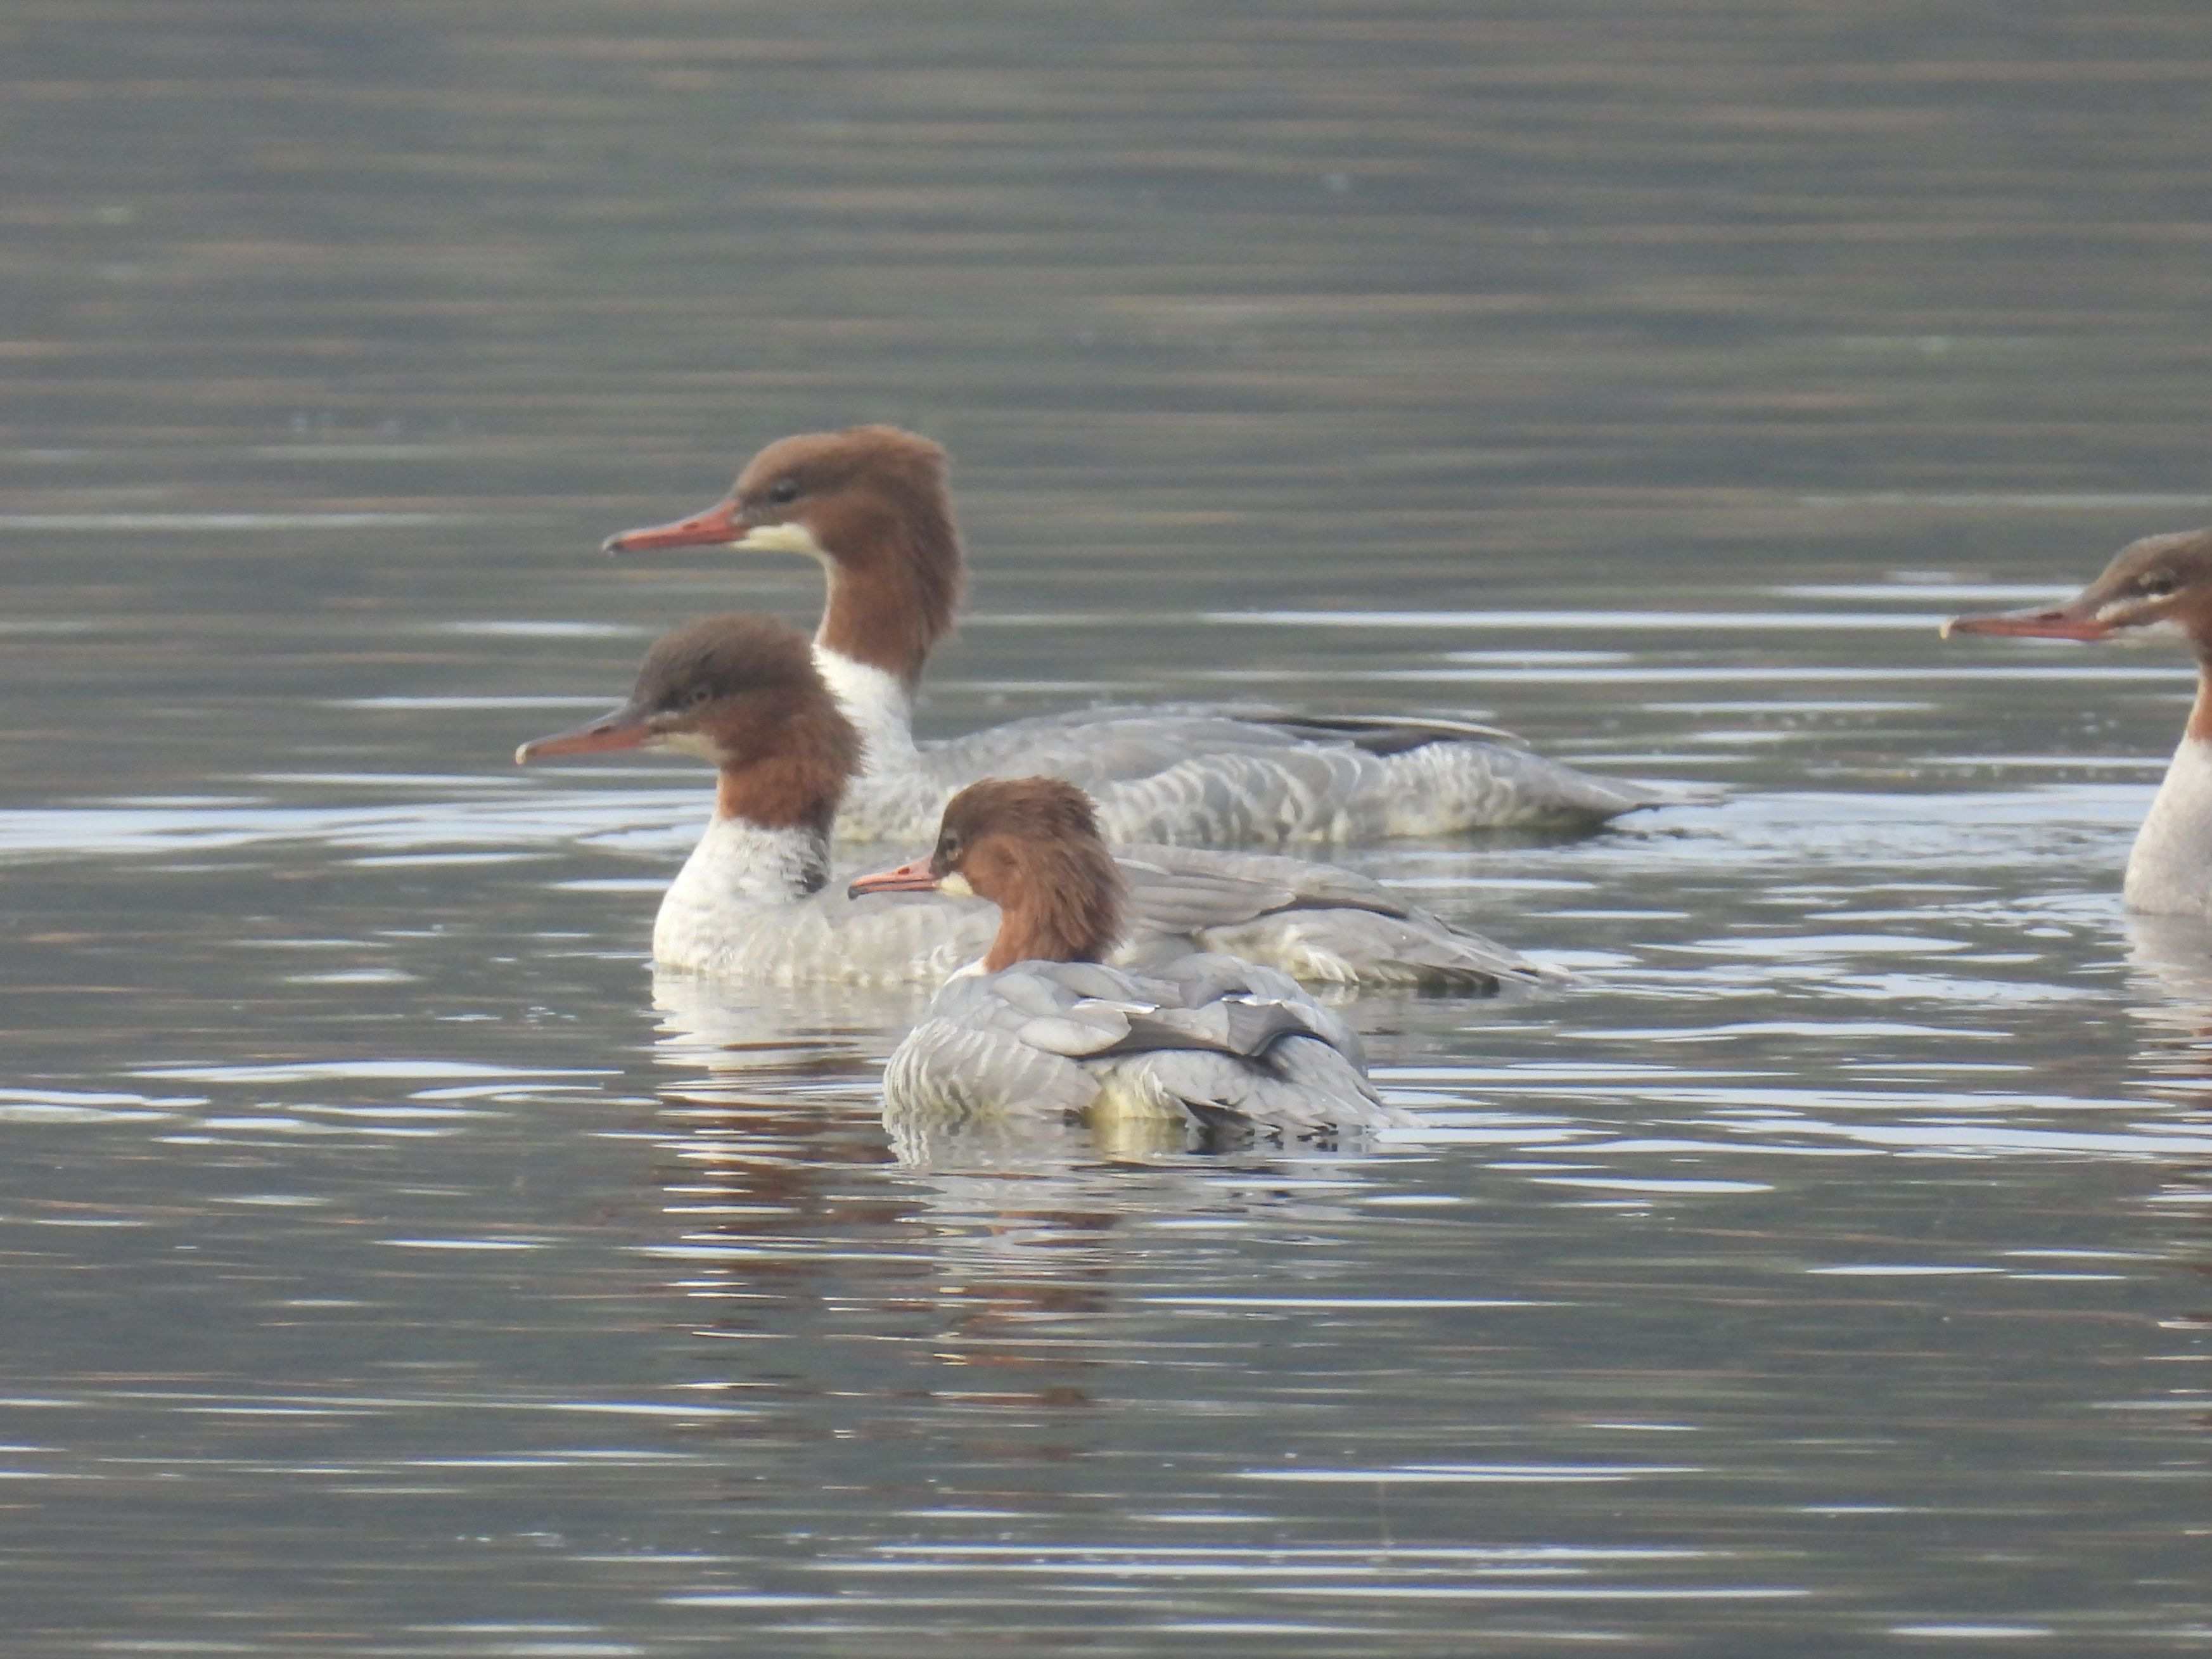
(698,695)
(2158,586)
(784,491)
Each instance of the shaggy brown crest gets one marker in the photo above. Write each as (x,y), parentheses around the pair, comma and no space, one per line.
(875,501)
(1031,846)
(748,684)
(745,690)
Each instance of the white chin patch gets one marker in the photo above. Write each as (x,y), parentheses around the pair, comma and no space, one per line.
(2166,631)
(789,538)
(697,745)
(956,884)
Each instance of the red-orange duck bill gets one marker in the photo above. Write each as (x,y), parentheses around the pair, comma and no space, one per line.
(912,877)
(718,526)
(2065,622)
(626,727)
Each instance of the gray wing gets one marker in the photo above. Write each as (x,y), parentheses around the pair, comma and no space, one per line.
(1237,1044)
(1183,889)
(1013,1039)
(1388,734)
(1319,792)
(1210,1039)
(1096,747)
(1210,776)
(1198,982)
(1304,1089)
(1318,922)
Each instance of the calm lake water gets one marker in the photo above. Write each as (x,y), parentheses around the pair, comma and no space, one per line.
(393,1267)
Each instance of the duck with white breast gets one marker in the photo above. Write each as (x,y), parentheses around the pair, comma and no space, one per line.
(754,902)
(2161,586)
(871,504)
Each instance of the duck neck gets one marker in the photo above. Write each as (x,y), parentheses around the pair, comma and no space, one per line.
(876,701)
(2170,868)
(768,841)
(1068,911)
(893,600)
(2199,729)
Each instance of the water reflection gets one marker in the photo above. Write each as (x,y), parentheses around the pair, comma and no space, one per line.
(2171,956)
(2172,959)
(1825,1269)
(781,1041)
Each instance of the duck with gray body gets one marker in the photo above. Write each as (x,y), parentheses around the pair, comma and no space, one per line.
(2159,587)
(754,901)
(1199,1046)
(871,504)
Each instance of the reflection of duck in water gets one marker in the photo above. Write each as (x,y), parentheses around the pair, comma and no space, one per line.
(2170,963)
(2173,957)
(754,901)
(2160,585)
(870,505)
(805,1275)
(1194,1046)
(777,1042)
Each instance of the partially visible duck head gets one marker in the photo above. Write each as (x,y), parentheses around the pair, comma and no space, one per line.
(870,503)
(2161,584)
(742,692)
(1030,846)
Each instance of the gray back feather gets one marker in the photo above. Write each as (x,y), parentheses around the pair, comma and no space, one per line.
(1209,1039)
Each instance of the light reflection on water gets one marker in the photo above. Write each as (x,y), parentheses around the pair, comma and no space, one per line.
(1789,1175)
(396,1266)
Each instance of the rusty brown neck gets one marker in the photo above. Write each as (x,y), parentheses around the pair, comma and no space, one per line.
(2199,729)
(776,795)
(894,582)
(793,781)
(1063,903)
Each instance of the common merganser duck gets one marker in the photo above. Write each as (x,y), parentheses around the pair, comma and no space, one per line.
(1194,1046)
(753,900)
(2161,584)
(870,504)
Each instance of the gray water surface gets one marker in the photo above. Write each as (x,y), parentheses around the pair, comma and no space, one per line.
(391,1266)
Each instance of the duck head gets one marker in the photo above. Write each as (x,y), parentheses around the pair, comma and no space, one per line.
(2160,585)
(871,504)
(1031,847)
(741,691)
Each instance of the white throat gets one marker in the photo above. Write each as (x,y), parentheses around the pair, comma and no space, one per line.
(789,538)
(875,702)
(2170,870)
(736,866)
